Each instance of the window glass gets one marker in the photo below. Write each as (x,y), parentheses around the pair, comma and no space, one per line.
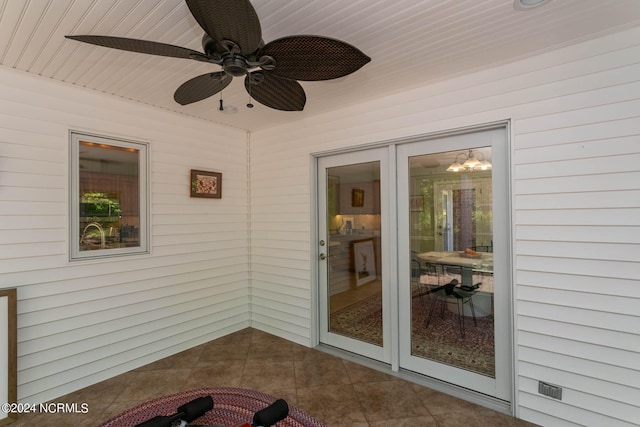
(451,231)
(109,197)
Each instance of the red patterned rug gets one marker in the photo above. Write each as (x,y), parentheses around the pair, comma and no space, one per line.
(231,406)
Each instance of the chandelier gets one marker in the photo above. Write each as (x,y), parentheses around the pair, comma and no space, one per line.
(470,162)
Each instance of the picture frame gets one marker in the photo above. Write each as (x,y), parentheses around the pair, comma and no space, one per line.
(416,203)
(357,198)
(364,259)
(9,359)
(206,184)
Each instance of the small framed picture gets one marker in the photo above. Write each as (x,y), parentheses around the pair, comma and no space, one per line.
(364,261)
(206,184)
(416,203)
(357,198)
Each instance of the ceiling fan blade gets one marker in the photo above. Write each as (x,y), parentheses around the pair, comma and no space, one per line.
(234,20)
(313,58)
(201,87)
(140,46)
(274,92)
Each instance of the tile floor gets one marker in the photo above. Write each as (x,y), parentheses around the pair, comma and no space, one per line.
(336,391)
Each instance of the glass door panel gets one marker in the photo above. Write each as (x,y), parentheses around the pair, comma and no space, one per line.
(450,226)
(352,289)
(453,284)
(354,263)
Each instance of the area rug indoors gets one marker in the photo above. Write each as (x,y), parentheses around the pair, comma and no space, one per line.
(231,406)
(441,341)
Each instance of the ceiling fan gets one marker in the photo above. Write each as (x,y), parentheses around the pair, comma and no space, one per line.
(233,40)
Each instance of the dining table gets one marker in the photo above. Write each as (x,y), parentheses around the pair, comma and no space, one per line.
(474,269)
(479,262)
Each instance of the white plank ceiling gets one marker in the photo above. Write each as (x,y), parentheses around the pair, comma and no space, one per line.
(411,43)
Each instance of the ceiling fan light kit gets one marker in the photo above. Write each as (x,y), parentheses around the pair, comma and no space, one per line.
(233,40)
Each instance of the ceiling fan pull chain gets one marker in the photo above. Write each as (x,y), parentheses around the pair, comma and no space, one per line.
(222,76)
(250,104)
(221,102)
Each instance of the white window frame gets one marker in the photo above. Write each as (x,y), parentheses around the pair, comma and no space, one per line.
(74,188)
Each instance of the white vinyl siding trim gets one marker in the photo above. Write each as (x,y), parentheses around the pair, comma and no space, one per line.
(575,119)
(80,323)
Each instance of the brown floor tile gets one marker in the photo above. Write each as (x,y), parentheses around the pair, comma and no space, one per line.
(336,391)
(269,347)
(442,404)
(363,374)
(218,374)
(216,353)
(265,375)
(242,337)
(426,421)
(106,393)
(150,384)
(498,419)
(332,404)
(389,399)
(315,371)
(117,408)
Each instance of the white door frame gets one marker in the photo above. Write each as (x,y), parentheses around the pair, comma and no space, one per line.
(497,138)
(383,353)
(502,157)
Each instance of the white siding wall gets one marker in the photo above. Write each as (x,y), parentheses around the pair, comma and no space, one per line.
(85,321)
(576,219)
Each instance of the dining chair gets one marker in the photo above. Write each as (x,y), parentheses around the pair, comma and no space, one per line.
(449,294)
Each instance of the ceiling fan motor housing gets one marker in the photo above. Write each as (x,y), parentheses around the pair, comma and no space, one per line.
(235,65)
(226,55)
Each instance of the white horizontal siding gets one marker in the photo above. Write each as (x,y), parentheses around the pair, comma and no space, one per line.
(595,294)
(575,116)
(82,322)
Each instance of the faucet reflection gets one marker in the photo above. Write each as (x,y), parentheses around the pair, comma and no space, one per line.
(100,229)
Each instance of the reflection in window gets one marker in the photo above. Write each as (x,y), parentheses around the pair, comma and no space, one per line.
(450,210)
(451,232)
(109,185)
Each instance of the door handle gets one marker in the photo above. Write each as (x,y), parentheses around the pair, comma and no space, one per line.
(322,257)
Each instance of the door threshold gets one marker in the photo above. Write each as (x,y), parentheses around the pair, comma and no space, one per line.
(481,399)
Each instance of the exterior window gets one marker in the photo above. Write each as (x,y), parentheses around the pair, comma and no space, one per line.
(109,197)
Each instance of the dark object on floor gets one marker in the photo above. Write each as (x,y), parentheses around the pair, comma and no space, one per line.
(233,406)
(187,413)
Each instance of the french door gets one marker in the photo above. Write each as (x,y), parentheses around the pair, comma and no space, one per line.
(352,247)
(453,275)
(413,250)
